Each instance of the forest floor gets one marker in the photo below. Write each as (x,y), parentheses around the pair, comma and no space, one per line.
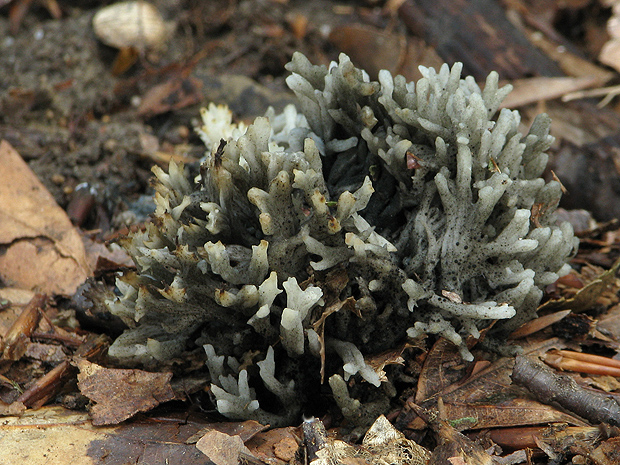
(89,133)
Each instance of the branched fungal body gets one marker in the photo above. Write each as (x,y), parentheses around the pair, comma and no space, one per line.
(325,235)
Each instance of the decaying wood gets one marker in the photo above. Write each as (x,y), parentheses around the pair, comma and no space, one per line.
(549,386)
(478,34)
(590,173)
(315,437)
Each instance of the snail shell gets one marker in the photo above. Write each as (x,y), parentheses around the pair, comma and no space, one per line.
(135,24)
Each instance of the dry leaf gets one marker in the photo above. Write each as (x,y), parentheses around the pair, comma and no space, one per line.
(14,408)
(244,429)
(457,449)
(101,258)
(389,357)
(531,90)
(522,437)
(608,453)
(369,47)
(482,399)
(587,296)
(41,250)
(571,63)
(221,448)
(274,446)
(120,394)
(538,324)
(55,435)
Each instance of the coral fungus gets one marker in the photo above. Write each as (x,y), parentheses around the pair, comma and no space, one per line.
(315,239)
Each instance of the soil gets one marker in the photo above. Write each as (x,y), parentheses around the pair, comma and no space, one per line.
(75,122)
(92,134)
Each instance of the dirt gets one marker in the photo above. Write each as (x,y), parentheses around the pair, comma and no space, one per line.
(75,122)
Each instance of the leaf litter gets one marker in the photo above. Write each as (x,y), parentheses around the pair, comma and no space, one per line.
(458,407)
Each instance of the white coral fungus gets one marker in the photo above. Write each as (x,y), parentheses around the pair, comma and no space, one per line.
(329,233)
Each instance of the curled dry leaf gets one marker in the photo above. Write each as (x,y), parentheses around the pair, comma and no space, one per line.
(587,296)
(120,394)
(42,250)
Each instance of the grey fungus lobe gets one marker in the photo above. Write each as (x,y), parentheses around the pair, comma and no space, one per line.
(420,194)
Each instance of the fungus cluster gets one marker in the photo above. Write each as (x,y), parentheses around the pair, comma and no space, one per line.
(315,239)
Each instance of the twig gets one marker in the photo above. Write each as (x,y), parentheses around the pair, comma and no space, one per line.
(17,337)
(548,386)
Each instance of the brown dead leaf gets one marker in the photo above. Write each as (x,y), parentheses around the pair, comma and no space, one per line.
(442,367)
(119,394)
(522,437)
(16,299)
(41,250)
(587,296)
(609,322)
(101,258)
(48,353)
(285,449)
(319,326)
(390,357)
(531,90)
(473,398)
(608,453)
(457,449)
(55,435)
(14,408)
(538,324)
(510,412)
(244,429)
(221,448)
(369,47)
(274,446)
(571,63)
